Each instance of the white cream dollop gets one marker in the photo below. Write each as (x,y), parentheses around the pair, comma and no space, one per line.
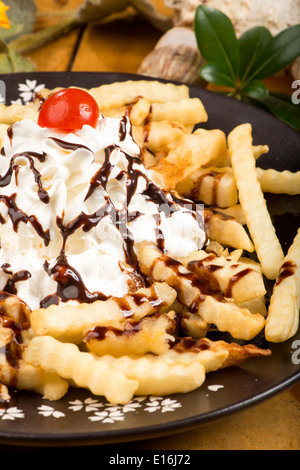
(75,201)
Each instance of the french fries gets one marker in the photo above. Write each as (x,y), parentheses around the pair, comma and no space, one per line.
(156,375)
(279,182)
(149,335)
(66,360)
(234,279)
(33,378)
(226,230)
(212,186)
(157,339)
(186,156)
(251,198)
(123,93)
(283,314)
(71,322)
(211,307)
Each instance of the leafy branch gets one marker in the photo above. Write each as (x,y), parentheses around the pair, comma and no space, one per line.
(241,64)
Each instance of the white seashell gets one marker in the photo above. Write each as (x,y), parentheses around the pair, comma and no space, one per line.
(175,57)
(177,36)
(244,14)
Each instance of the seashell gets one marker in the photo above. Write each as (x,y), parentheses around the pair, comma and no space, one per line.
(175,57)
(295,69)
(244,14)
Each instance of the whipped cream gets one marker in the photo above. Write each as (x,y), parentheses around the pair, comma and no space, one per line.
(72,209)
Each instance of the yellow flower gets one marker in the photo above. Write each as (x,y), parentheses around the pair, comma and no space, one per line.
(4,21)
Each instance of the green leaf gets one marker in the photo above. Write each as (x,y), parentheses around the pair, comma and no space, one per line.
(256,89)
(21,15)
(251,44)
(213,73)
(217,40)
(281,51)
(282,106)
(12,62)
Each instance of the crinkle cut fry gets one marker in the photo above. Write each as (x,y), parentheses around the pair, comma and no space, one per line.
(33,378)
(233,353)
(235,279)
(240,323)
(122,93)
(151,334)
(70,322)
(262,231)
(183,367)
(70,363)
(157,376)
(283,314)
(211,185)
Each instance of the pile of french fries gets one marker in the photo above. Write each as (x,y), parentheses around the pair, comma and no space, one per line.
(165,347)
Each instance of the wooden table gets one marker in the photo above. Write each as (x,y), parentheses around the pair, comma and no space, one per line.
(120,47)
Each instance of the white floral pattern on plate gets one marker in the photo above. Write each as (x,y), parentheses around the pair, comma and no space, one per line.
(96,410)
(27,91)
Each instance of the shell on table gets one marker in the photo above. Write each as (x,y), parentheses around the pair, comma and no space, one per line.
(176,55)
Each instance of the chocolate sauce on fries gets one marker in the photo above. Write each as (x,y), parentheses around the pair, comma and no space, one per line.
(69,282)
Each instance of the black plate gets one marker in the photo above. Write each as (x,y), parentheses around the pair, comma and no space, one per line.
(82,419)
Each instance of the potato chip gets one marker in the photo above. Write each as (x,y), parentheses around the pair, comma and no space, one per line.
(163,135)
(16,112)
(234,211)
(5,396)
(6,335)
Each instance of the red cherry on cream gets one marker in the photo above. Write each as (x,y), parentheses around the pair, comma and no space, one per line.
(68,110)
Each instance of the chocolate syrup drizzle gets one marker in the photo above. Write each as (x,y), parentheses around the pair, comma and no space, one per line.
(69,282)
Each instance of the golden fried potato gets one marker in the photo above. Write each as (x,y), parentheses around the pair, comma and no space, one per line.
(251,198)
(148,335)
(66,360)
(69,323)
(283,313)
(234,279)
(226,230)
(212,307)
